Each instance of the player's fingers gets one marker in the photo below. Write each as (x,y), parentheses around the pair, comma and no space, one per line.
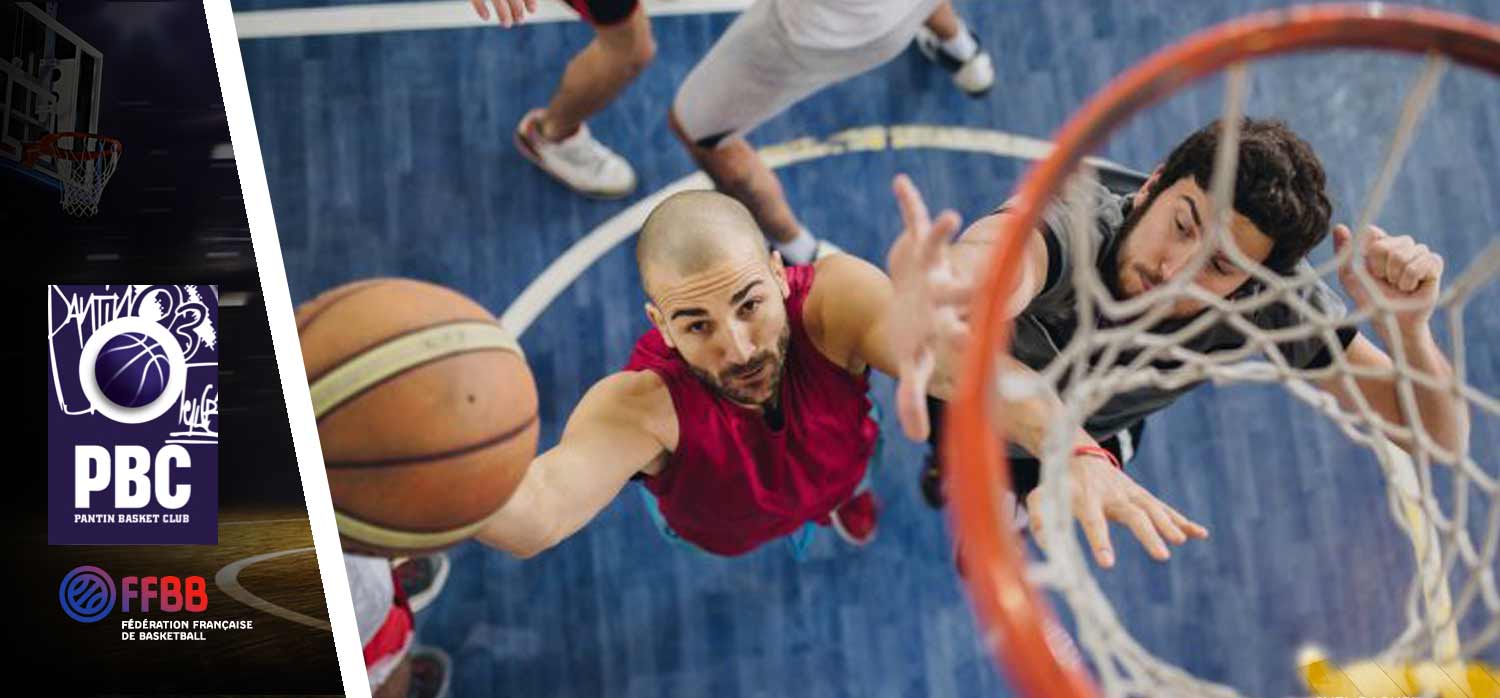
(911,397)
(1400,252)
(518,10)
(940,235)
(1139,522)
(1192,528)
(480,9)
(1163,522)
(1423,267)
(531,6)
(502,11)
(1090,515)
(913,208)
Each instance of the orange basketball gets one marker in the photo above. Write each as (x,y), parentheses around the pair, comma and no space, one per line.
(425,407)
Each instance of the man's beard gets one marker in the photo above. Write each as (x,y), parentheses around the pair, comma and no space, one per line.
(1112,268)
(1112,272)
(775,361)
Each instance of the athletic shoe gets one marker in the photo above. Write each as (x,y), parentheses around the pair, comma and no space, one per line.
(855,519)
(974,75)
(431,673)
(422,578)
(582,163)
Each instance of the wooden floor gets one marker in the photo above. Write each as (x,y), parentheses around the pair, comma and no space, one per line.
(390,154)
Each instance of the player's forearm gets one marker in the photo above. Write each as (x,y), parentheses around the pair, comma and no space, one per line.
(523,527)
(1444,415)
(1026,419)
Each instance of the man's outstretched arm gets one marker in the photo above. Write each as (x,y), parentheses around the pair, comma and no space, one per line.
(603,445)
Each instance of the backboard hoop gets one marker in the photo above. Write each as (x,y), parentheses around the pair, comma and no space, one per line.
(1039,658)
(84,163)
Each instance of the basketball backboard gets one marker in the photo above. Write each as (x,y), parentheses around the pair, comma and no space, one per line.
(49,82)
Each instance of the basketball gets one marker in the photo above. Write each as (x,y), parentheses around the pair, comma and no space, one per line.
(426,410)
(132,369)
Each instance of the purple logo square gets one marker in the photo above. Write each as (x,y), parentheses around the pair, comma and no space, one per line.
(132,415)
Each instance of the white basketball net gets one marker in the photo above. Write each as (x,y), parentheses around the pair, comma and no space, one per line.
(1445,549)
(83,169)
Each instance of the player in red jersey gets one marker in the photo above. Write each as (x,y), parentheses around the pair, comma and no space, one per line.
(744,410)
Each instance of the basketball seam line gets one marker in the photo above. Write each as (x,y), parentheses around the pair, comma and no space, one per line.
(308,321)
(441,455)
(313,380)
(355,396)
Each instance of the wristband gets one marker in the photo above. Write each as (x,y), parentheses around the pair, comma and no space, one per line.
(1101,452)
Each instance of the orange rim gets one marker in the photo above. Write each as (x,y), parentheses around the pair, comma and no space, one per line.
(48,146)
(994,561)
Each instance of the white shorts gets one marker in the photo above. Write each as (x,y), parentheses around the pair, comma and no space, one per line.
(385,626)
(755,71)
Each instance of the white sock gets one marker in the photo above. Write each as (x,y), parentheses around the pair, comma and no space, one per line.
(962,46)
(800,250)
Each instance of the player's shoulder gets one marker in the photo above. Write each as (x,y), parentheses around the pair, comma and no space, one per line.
(833,273)
(634,400)
(630,391)
(842,283)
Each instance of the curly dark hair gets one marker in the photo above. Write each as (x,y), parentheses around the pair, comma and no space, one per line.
(1279,185)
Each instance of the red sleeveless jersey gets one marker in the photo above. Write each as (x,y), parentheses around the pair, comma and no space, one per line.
(734,482)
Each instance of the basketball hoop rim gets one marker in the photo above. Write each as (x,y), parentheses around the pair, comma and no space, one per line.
(48,146)
(1014,613)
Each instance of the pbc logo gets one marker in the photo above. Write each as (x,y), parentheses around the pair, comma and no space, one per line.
(88,595)
(132,422)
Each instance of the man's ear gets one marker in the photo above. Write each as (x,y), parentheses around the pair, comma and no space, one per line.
(778,270)
(1145,190)
(659,322)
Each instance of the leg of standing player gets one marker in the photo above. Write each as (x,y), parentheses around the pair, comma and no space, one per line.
(754,72)
(556,137)
(945,40)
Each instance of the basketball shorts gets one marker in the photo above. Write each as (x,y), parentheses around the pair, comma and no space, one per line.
(603,13)
(385,621)
(756,71)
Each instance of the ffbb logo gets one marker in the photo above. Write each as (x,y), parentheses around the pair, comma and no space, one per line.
(132,422)
(87,594)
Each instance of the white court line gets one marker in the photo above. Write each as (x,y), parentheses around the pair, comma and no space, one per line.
(278,298)
(440,14)
(556,278)
(228,581)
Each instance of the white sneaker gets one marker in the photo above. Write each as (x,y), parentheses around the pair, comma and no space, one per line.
(582,163)
(974,76)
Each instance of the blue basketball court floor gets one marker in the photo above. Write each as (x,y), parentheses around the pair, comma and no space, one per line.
(390,154)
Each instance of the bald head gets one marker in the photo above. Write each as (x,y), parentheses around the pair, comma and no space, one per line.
(694,231)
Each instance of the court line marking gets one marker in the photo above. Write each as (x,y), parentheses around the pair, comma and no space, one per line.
(227,579)
(260,216)
(420,16)
(561,273)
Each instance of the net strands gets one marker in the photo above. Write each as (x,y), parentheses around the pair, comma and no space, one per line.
(84,163)
(1093,370)
(1111,353)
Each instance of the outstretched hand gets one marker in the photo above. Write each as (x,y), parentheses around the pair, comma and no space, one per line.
(1102,493)
(927,316)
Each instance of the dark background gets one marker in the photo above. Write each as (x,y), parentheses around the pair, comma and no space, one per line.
(171,214)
